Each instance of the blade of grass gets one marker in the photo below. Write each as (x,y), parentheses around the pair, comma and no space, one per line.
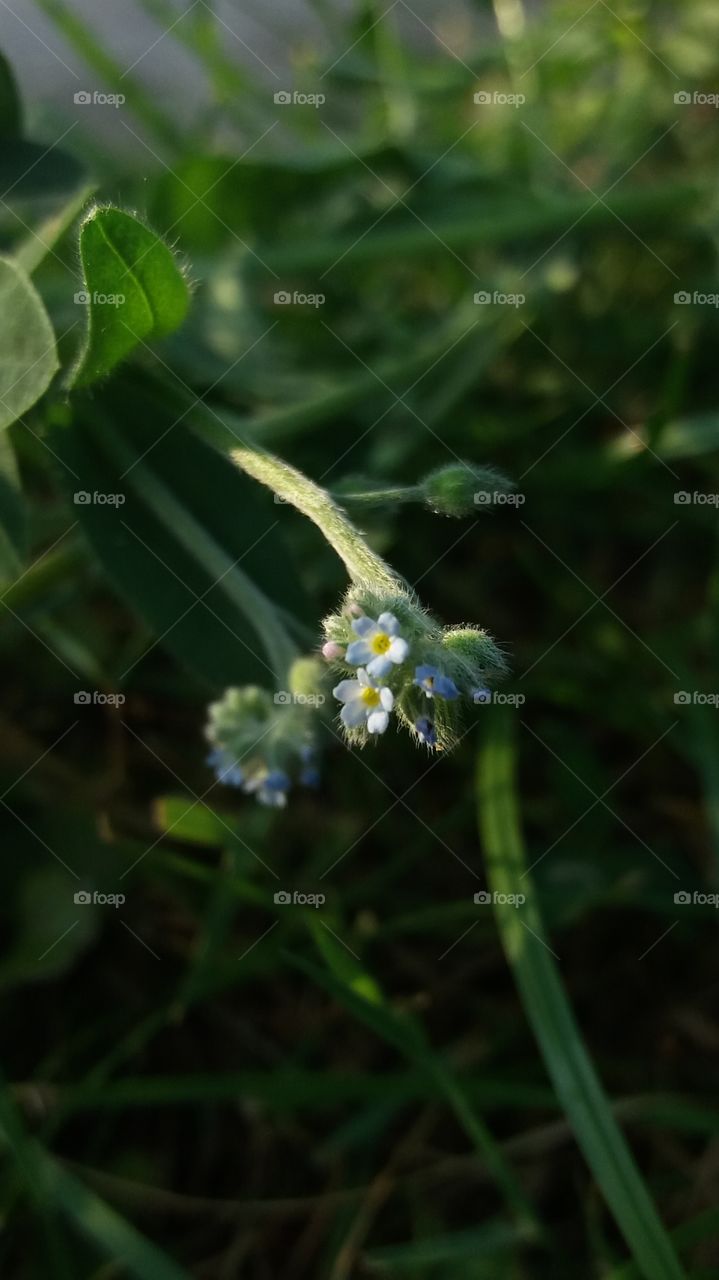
(80,38)
(37,244)
(406,1035)
(48,1184)
(490,1239)
(704,1227)
(569,1066)
(650,204)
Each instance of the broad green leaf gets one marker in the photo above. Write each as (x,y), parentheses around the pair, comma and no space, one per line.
(185,537)
(28,356)
(133,289)
(578,1088)
(10,109)
(13,522)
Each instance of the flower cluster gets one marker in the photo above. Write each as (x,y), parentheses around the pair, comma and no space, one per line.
(264,745)
(395,659)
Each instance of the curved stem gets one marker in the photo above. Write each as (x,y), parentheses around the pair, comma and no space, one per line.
(362,564)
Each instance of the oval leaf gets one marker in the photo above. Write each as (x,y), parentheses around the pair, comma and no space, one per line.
(133,290)
(28,356)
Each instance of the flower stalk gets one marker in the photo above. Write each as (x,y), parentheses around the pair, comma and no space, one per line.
(363,565)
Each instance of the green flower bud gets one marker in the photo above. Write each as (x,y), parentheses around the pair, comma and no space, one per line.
(308,677)
(239,712)
(459,488)
(480,657)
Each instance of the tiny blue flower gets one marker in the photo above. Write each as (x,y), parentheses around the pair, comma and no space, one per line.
(270,786)
(426,730)
(434,684)
(310,776)
(365,703)
(225,769)
(481,694)
(380,646)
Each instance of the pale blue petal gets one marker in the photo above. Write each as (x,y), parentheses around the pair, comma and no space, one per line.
(364,626)
(358,653)
(346,689)
(387,622)
(380,665)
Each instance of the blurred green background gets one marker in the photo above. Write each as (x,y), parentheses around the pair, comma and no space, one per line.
(199,1082)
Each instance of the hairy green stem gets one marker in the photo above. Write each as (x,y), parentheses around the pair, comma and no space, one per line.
(378,497)
(363,565)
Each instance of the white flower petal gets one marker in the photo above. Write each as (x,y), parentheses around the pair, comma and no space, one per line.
(386,697)
(352,714)
(346,690)
(362,678)
(377,722)
(398,650)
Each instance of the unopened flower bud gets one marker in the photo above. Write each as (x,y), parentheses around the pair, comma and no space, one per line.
(459,489)
(332,651)
(306,676)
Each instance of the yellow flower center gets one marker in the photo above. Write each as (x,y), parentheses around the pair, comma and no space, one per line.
(380,643)
(370,697)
